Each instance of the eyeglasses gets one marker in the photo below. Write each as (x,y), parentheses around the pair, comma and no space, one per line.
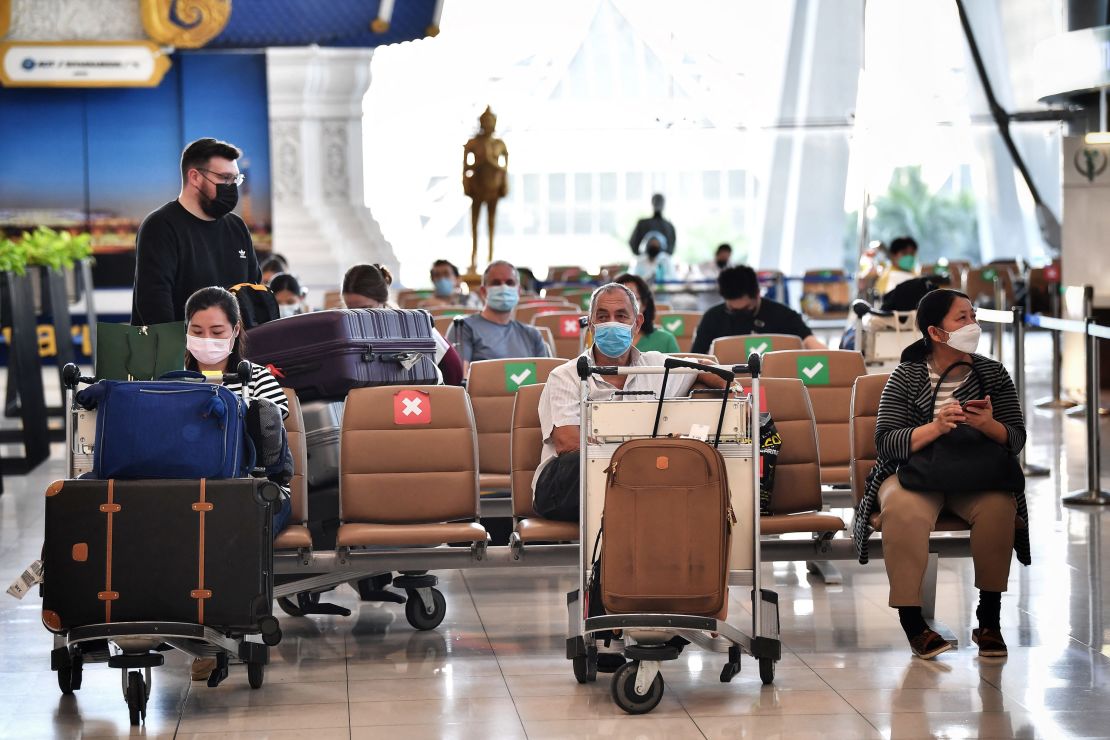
(225,178)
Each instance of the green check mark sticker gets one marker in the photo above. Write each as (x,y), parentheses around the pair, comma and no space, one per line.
(518,374)
(814,369)
(675,325)
(758,345)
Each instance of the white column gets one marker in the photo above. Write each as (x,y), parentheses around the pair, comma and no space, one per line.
(320,220)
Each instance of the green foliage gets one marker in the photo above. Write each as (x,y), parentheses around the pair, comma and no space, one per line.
(13,256)
(943,223)
(44,247)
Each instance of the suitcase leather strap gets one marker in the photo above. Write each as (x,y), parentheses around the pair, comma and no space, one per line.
(200,593)
(108,595)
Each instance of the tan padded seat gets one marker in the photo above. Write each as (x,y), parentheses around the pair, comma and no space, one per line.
(488,384)
(398,535)
(733,350)
(295,535)
(401,474)
(527,445)
(831,403)
(683,324)
(567,344)
(494,482)
(538,529)
(866,392)
(796,501)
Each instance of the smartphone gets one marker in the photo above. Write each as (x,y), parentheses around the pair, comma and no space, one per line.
(981,404)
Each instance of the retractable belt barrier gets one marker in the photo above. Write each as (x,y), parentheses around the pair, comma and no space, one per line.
(1093,495)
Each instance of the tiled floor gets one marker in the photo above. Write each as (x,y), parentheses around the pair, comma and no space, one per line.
(495,668)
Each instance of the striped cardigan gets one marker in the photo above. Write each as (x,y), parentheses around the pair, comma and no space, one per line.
(906,403)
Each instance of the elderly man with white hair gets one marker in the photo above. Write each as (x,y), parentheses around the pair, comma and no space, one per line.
(615,319)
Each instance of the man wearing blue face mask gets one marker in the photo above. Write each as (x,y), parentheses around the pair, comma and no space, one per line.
(615,320)
(493,334)
(447,288)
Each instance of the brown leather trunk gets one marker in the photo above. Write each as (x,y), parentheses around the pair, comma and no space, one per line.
(666,529)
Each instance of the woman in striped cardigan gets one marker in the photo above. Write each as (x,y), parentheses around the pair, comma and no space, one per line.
(910,420)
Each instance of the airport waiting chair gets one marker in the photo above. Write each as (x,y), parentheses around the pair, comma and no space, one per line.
(408,468)
(565,330)
(296,536)
(525,313)
(734,350)
(525,448)
(828,376)
(795,503)
(682,324)
(492,386)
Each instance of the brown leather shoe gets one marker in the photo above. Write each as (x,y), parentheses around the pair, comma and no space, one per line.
(929,645)
(990,642)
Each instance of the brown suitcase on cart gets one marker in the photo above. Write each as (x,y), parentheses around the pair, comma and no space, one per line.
(667,525)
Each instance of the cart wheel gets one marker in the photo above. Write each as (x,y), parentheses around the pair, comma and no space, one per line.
(419,617)
(136,697)
(289,607)
(65,680)
(585,666)
(624,693)
(767,670)
(256,673)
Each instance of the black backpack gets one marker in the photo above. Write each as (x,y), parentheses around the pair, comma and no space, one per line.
(257,304)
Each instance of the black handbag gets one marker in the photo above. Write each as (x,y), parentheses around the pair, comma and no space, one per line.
(963,461)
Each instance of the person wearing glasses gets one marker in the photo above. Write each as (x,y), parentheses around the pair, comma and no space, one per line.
(194,241)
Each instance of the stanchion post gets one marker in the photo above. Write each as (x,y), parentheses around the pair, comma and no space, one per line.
(1094,495)
(1031,471)
(1056,400)
(780,287)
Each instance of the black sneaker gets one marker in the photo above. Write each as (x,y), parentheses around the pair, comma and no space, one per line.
(990,642)
(929,645)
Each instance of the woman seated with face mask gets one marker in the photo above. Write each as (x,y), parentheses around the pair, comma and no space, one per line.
(948,432)
(655,265)
(215,342)
(289,295)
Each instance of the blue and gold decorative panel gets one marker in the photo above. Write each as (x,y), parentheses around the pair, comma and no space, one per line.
(186,24)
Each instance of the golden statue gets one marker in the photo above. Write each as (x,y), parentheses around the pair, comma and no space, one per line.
(485,179)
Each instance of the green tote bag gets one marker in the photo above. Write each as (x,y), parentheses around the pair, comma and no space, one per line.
(125,352)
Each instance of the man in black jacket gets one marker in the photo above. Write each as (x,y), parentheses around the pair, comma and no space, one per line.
(655,223)
(194,241)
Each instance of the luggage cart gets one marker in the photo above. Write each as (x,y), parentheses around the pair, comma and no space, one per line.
(651,639)
(137,647)
(882,335)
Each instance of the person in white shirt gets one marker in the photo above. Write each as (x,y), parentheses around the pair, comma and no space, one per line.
(655,264)
(615,319)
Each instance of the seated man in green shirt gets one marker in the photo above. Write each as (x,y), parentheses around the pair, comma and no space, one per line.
(652,338)
(745,311)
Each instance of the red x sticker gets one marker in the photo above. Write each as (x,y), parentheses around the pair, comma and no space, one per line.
(569,327)
(412,407)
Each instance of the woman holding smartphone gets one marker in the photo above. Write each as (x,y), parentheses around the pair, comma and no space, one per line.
(942,385)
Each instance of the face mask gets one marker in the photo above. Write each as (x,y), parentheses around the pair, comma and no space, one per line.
(502,298)
(907,263)
(653,252)
(612,338)
(722,264)
(965,339)
(444,286)
(290,309)
(227,196)
(208,351)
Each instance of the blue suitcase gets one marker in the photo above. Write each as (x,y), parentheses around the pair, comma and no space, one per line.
(168,429)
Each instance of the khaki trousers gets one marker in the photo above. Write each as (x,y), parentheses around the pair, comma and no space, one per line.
(907,519)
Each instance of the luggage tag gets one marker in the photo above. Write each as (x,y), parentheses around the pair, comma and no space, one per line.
(409,361)
(27,580)
(698,431)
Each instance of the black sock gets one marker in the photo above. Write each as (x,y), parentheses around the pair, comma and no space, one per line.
(989,610)
(912,621)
